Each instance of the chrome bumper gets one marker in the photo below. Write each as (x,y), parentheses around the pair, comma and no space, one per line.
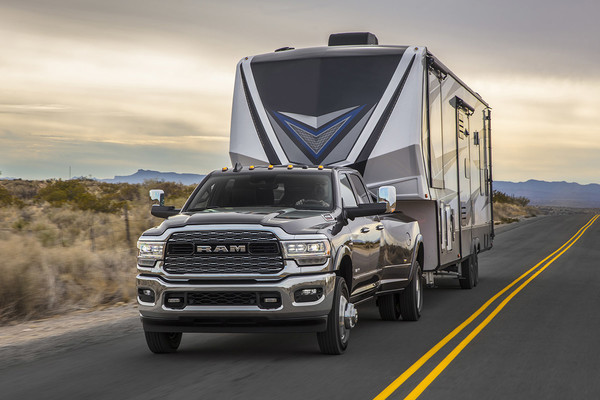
(289,315)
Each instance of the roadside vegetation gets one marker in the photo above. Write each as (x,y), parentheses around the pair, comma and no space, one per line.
(69,245)
(509,208)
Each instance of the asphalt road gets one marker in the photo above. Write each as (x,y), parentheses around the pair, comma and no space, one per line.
(543,343)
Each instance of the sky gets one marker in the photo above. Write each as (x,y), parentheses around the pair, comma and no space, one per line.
(104,88)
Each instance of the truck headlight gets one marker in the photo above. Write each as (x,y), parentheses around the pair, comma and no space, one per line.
(149,252)
(313,252)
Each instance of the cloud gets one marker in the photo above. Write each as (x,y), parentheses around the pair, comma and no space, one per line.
(142,83)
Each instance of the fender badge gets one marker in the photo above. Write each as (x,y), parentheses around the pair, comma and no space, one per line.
(328,217)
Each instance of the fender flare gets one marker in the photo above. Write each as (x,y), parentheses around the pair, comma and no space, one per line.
(339,256)
(415,253)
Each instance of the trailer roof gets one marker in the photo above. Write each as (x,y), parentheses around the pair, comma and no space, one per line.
(439,65)
(329,51)
(286,54)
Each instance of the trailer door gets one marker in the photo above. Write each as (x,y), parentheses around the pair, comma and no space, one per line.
(464,175)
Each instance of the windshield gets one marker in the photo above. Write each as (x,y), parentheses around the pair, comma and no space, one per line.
(243,190)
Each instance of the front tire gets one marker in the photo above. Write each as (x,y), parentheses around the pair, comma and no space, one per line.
(163,342)
(411,299)
(334,340)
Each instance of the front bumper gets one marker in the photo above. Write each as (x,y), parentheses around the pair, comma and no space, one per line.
(289,315)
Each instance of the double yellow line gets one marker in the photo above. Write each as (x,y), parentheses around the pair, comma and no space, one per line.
(452,355)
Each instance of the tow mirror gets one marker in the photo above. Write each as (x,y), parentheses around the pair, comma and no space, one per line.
(387,195)
(159,195)
(160,210)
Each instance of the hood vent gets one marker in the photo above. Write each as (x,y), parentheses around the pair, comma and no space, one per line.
(352,38)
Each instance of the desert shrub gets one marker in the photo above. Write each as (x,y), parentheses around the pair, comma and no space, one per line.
(507,212)
(38,282)
(503,198)
(67,246)
(22,190)
(75,192)
(6,198)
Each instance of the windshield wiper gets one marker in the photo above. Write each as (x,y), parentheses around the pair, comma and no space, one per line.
(202,209)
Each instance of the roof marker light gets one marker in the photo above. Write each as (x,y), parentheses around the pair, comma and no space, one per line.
(320,167)
(251,167)
(290,166)
(224,169)
(270,166)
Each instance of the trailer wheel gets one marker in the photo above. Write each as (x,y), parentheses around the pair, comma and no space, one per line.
(334,340)
(468,273)
(475,269)
(389,307)
(163,342)
(411,299)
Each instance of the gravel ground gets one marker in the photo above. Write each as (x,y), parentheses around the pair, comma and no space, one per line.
(31,340)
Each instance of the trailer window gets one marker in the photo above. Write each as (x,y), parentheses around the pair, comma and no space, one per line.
(436,141)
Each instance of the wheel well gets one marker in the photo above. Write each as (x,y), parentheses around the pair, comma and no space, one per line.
(345,271)
(421,256)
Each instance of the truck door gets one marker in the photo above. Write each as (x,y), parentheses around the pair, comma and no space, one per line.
(365,237)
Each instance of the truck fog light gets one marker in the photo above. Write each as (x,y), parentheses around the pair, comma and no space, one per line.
(270,300)
(175,300)
(311,261)
(146,262)
(146,295)
(308,295)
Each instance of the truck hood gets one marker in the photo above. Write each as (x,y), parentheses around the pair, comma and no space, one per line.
(292,221)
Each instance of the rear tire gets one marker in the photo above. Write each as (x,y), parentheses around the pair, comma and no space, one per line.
(163,342)
(475,269)
(334,340)
(411,299)
(467,270)
(389,307)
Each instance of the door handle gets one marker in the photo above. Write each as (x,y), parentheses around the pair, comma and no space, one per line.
(364,230)
(379,227)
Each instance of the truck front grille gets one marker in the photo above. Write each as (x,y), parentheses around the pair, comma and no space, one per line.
(223,252)
(222,298)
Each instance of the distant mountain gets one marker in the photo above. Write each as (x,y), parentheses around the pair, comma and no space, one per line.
(565,194)
(143,174)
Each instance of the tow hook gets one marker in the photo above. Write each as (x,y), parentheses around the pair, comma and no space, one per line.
(350,316)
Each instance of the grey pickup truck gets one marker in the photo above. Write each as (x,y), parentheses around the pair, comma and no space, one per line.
(277,248)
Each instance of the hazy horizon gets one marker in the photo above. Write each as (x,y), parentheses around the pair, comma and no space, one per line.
(110,87)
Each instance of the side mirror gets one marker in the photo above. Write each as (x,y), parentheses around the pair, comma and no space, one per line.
(387,195)
(163,211)
(159,195)
(365,210)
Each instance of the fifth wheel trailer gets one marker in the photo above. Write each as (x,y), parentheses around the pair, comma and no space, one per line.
(394,113)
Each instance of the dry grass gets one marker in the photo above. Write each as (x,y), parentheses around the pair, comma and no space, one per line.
(507,213)
(57,259)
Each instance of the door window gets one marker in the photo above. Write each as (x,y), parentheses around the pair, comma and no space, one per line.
(363,196)
(347,193)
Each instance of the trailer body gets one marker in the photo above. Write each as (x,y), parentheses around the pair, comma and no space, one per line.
(395,114)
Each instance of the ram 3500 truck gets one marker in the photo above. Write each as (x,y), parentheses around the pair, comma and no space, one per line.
(277,248)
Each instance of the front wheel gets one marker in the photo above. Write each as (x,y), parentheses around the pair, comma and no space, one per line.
(411,299)
(163,342)
(341,319)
